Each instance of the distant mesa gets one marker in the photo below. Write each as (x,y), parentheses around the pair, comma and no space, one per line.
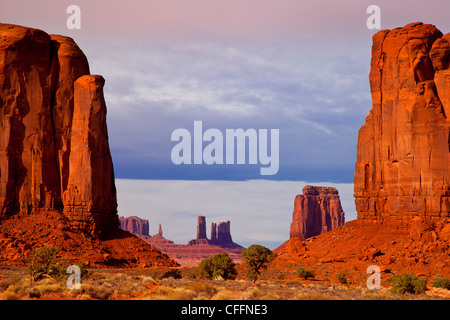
(316,211)
(141,227)
(196,249)
(135,225)
(220,234)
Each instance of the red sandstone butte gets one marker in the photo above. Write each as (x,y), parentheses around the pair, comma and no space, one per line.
(403,152)
(57,182)
(402,171)
(316,211)
(54,151)
(197,249)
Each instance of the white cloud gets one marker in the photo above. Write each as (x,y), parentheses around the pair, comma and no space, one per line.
(260,211)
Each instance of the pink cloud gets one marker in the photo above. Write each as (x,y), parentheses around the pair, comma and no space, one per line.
(224,18)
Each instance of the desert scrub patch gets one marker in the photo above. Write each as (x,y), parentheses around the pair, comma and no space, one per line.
(164,274)
(7,295)
(253,293)
(203,288)
(47,286)
(377,295)
(43,263)
(5,283)
(147,279)
(294,283)
(314,296)
(408,283)
(443,283)
(341,277)
(304,273)
(19,287)
(89,291)
(168,293)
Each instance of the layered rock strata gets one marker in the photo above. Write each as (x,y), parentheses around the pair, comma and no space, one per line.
(316,211)
(54,151)
(403,152)
(135,225)
(196,249)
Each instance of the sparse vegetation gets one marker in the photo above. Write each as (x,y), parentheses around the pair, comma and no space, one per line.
(43,263)
(163,274)
(83,269)
(342,278)
(256,258)
(408,283)
(138,284)
(442,283)
(304,273)
(219,267)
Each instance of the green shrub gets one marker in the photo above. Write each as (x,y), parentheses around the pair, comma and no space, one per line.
(304,273)
(442,283)
(219,266)
(194,273)
(43,262)
(256,258)
(342,278)
(408,283)
(162,274)
(172,273)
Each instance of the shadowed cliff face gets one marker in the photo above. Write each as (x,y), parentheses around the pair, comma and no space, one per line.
(402,167)
(316,211)
(54,151)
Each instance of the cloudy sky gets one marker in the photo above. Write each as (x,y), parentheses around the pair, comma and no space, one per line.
(297,66)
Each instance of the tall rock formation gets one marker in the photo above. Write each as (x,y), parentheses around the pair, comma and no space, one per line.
(195,250)
(91,187)
(56,174)
(136,225)
(402,168)
(213,231)
(220,234)
(54,151)
(224,233)
(403,153)
(201,227)
(316,211)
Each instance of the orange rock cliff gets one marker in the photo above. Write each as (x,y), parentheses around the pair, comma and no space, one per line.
(54,151)
(57,184)
(403,153)
(316,211)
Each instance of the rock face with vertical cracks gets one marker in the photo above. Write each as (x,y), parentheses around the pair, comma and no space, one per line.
(136,225)
(403,164)
(317,210)
(54,151)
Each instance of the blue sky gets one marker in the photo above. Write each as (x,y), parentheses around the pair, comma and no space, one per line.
(297,66)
